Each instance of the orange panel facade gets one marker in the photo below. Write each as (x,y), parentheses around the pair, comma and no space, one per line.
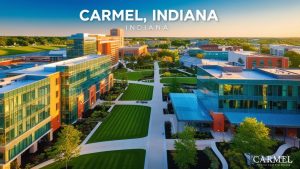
(218,121)
(110,81)
(55,123)
(80,103)
(92,98)
(291,132)
(102,87)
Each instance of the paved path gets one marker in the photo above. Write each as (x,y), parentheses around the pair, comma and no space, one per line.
(156,155)
(219,155)
(139,143)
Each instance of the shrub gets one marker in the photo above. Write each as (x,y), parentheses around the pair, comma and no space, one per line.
(214,162)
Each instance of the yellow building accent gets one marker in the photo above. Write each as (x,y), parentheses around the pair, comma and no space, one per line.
(55,93)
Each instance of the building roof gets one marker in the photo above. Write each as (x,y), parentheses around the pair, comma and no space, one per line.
(187,108)
(245,74)
(51,68)
(12,83)
(254,74)
(269,119)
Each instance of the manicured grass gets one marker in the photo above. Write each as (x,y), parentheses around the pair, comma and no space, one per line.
(121,159)
(180,80)
(138,75)
(124,122)
(25,49)
(138,92)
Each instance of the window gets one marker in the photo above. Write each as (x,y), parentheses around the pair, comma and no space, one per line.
(56,94)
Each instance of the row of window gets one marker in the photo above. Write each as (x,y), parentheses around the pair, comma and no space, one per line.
(255,104)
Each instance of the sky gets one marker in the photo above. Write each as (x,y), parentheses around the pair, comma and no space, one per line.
(237,18)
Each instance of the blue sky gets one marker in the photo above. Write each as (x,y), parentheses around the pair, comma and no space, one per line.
(253,18)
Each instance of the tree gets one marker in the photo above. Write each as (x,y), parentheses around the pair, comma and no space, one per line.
(185,149)
(252,137)
(294,59)
(2,42)
(67,145)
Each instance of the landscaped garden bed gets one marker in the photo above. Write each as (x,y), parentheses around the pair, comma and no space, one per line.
(131,159)
(124,122)
(85,125)
(114,92)
(238,160)
(205,159)
(173,73)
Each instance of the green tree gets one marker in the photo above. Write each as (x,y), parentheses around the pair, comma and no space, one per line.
(294,58)
(295,157)
(67,145)
(185,149)
(252,137)
(2,41)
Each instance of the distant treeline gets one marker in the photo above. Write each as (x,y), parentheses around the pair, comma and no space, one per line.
(27,40)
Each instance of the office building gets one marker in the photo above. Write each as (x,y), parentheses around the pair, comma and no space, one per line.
(133,51)
(82,44)
(227,95)
(279,50)
(35,101)
(250,60)
(216,55)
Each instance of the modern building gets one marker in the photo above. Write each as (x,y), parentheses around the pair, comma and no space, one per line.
(230,94)
(133,51)
(118,33)
(217,55)
(82,44)
(34,102)
(279,50)
(250,59)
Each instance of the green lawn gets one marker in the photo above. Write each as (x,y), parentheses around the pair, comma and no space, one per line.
(138,92)
(25,49)
(138,75)
(124,122)
(180,80)
(121,159)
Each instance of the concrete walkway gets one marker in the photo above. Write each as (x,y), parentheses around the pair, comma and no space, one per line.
(156,155)
(139,143)
(219,155)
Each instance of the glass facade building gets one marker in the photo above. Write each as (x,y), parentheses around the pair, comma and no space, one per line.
(76,80)
(24,113)
(233,91)
(35,101)
(81,45)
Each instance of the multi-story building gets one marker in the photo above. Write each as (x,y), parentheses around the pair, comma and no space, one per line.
(118,33)
(30,107)
(251,60)
(227,95)
(35,101)
(82,44)
(279,50)
(133,51)
(217,55)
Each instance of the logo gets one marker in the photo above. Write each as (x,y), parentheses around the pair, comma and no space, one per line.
(272,160)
